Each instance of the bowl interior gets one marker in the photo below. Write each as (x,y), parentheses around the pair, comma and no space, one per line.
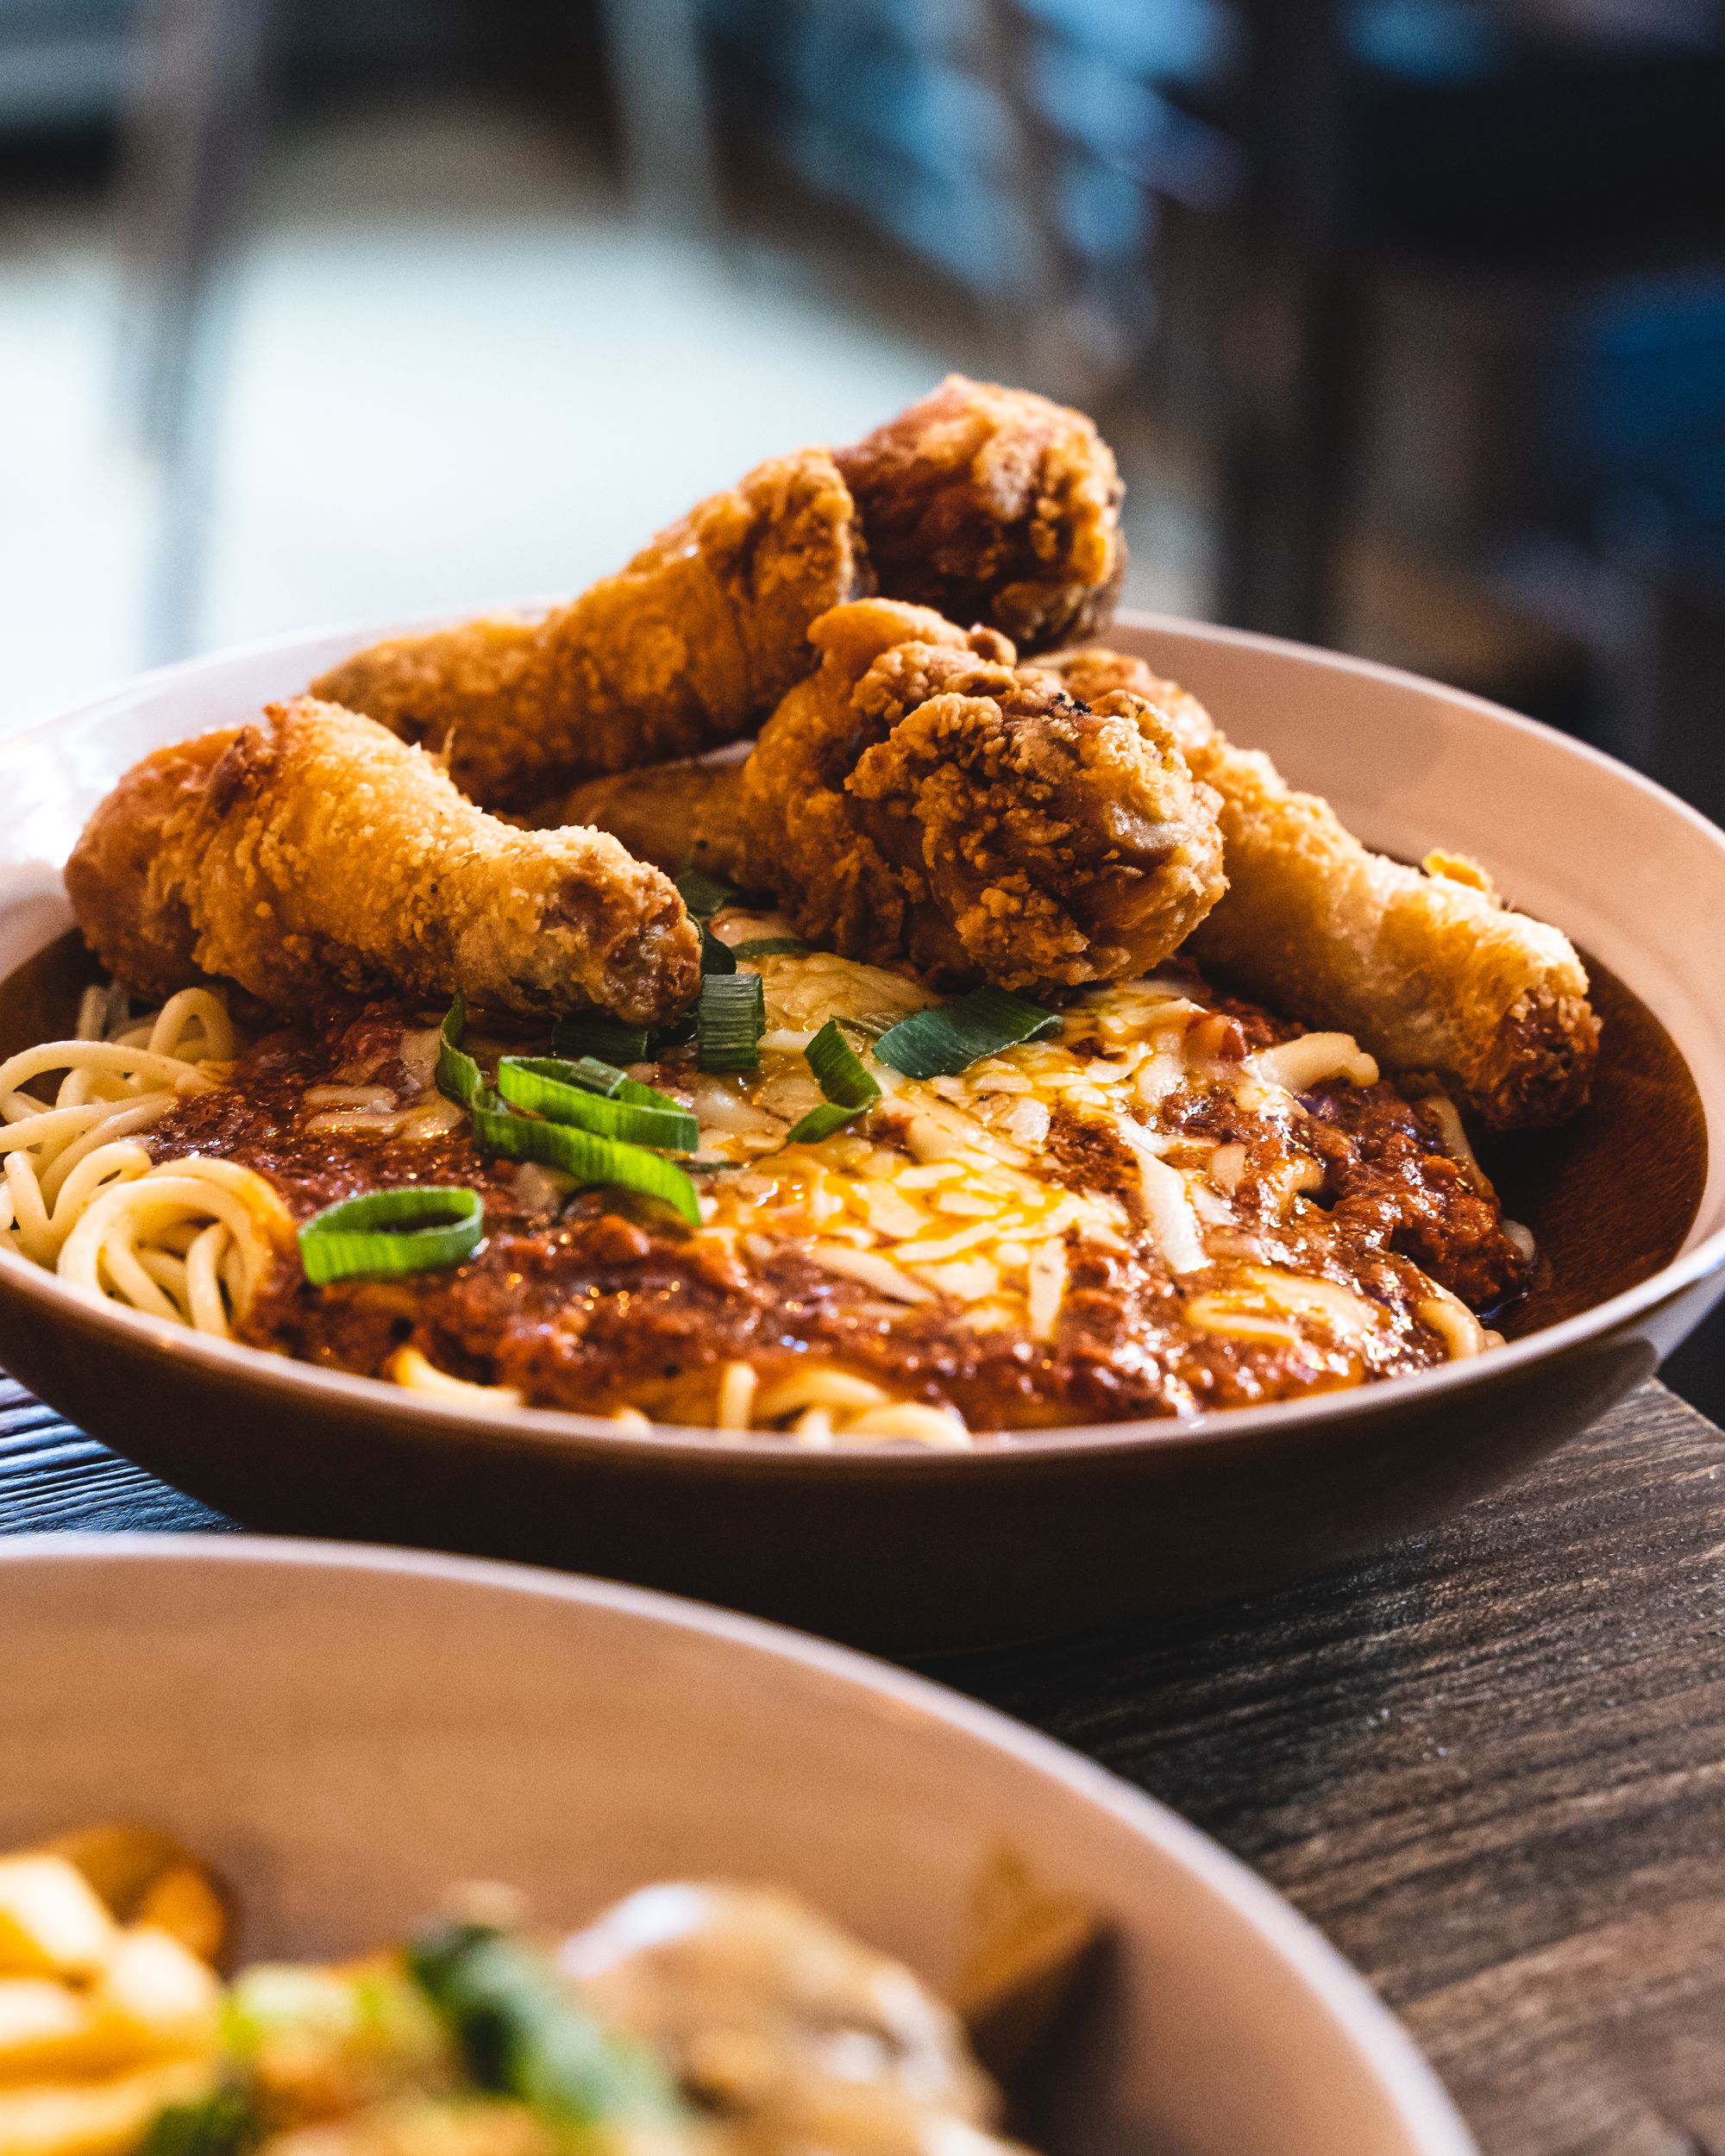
(346,1733)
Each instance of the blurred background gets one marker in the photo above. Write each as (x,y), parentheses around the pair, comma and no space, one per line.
(1406,317)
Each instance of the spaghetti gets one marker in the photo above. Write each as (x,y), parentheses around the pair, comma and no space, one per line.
(188,1240)
(1172,1202)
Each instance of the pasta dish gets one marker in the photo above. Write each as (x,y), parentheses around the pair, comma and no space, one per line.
(805,984)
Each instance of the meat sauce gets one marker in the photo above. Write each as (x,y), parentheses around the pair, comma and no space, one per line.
(596,1301)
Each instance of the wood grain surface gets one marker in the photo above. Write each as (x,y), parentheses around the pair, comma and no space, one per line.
(1489,1763)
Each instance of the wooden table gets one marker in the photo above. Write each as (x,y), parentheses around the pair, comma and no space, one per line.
(1489,1763)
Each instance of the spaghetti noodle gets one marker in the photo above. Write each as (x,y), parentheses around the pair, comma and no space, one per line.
(188,1240)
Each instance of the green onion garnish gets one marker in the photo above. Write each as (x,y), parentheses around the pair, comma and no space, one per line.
(671,1034)
(716,957)
(847,1085)
(953,1036)
(407,1229)
(523,2034)
(730,1020)
(705,894)
(772,946)
(595,1033)
(544,1084)
(586,1156)
(594,1076)
(458,1074)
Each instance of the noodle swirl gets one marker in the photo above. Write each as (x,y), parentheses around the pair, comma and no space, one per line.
(186,1240)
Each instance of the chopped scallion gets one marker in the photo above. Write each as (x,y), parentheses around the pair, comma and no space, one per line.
(844,1081)
(596,1033)
(525,2035)
(772,946)
(716,957)
(458,1074)
(730,1020)
(953,1036)
(408,1230)
(705,894)
(544,1084)
(586,1156)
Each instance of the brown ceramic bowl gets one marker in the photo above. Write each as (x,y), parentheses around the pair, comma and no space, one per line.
(1050,1529)
(345,1734)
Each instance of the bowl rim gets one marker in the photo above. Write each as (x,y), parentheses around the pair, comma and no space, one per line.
(667,1442)
(1409,2079)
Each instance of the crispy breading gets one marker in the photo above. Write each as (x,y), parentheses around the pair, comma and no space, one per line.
(920,796)
(140,930)
(691,644)
(993,505)
(1428,968)
(313,855)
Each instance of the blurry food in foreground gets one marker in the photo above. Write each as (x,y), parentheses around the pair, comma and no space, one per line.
(687,2020)
(688,646)
(995,505)
(1427,967)
(917,797)
(312,855)
(110,2014)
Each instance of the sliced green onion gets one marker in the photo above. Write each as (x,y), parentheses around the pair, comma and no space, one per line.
(671,1034)
(542,1084)
(818,1123)
(840,1070)
(953,1036)
(584,1154)
(591,1073)
(458,1074)
(730,1018)
(716,957)
(772,946)
(525,2033)
(594,1076)
(704,893)
(596,1033)
(408,1230)
(846,1083)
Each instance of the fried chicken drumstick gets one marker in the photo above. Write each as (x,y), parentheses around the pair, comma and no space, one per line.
(920,796)
(993,504)
(1427,968)
(313,855)
(688,646)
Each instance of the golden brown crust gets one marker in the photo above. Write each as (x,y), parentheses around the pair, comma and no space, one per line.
(689,646)
(142,934)
(993,505)
(921,797)
(1429,971)
(315,857)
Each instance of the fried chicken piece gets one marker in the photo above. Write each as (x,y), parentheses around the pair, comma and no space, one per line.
(691,644)
(993,505)
(1428,968)
(140,928)
(920,796)
(313,855)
